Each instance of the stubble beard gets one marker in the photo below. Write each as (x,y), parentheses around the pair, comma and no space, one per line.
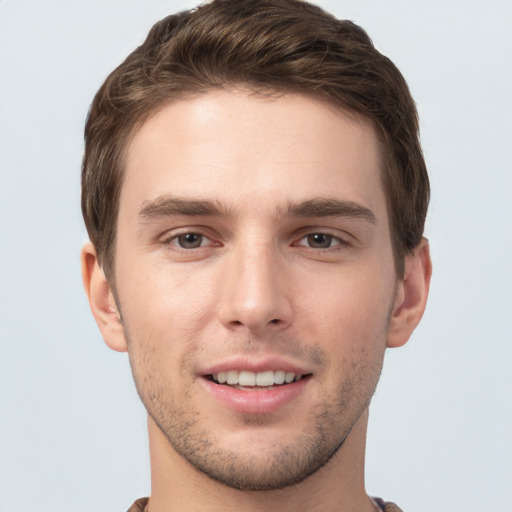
(285,466)
(326,430)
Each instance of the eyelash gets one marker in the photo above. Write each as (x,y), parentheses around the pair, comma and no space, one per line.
(174,241)
(330,239)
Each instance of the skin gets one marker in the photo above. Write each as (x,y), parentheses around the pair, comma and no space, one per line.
(253,232)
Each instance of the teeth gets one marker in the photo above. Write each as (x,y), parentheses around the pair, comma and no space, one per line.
(279,377)
(247,379)
(264,379)
(232,377)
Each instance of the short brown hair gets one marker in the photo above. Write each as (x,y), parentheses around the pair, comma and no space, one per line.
(276,45)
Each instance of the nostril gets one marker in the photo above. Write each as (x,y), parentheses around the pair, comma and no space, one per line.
(275,321)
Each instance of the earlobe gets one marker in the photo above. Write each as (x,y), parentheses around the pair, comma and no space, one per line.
(411,296)
(101,300)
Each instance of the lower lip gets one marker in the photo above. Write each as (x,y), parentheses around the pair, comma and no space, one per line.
(257,401)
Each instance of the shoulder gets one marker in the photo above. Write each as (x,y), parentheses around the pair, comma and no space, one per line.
(139,505)
(387,506)
(391,507)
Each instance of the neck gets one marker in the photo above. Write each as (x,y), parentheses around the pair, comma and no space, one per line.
(338,486)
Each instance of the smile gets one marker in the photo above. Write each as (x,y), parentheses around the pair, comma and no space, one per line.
(247,379)
(250,391)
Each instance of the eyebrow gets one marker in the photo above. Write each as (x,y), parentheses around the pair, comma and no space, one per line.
(328,207)
(168,205)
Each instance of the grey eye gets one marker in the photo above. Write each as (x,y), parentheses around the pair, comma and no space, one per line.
(319,240)
(189,240)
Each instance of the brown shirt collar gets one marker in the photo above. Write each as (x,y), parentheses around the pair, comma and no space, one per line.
(140,505)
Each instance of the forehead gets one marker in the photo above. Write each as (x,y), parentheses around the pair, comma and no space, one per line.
(244,148)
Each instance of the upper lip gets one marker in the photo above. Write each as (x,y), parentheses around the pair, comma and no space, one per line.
(254,364)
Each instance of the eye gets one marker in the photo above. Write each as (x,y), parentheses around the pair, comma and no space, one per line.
(189,240)
(320,241)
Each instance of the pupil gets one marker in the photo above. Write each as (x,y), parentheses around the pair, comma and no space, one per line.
(320,240)
(190,240)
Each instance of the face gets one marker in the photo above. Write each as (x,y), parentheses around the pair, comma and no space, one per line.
(255,281)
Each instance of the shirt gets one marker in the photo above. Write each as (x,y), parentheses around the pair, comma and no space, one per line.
(140,505)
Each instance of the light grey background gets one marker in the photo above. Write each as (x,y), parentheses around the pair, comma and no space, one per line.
(72,431)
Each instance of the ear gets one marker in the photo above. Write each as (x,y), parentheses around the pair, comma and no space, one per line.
(101,299)
(411,296)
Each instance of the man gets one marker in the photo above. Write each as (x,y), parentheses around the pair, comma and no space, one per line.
(255,195)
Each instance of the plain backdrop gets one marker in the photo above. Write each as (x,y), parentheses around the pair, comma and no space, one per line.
(72,430)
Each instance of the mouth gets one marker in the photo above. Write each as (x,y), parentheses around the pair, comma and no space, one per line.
(255,387)
(251,381)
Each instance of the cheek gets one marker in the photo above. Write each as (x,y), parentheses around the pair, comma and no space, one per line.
(349,306)
(350,318)
(162,327)
(161,300)
(161,319)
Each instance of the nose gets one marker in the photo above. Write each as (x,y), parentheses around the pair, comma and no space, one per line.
(255,294)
